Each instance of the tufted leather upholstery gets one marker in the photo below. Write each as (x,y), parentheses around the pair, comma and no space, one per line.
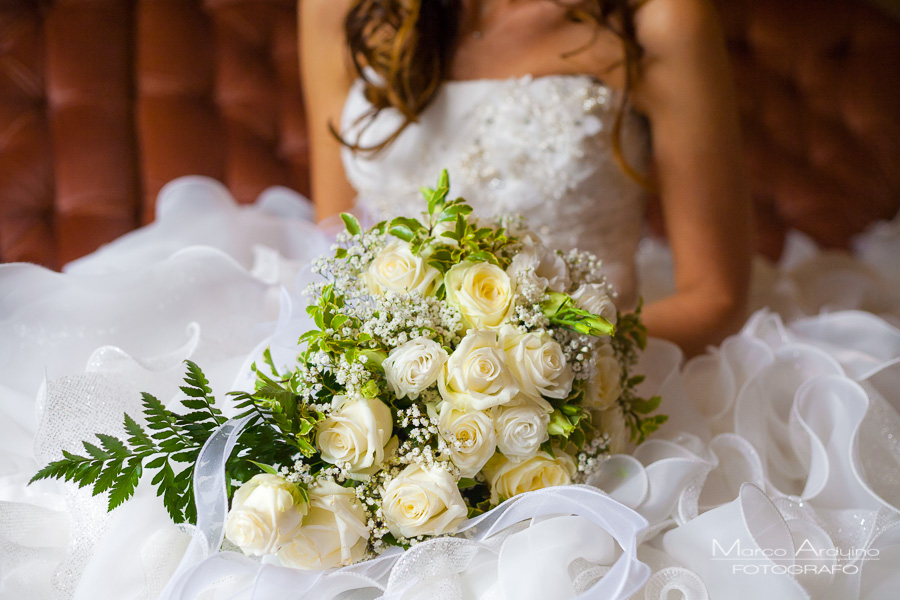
(819,92)
(218,94)
(103,101)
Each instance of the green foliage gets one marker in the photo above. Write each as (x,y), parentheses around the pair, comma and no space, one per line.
(631,336)
(465,483)
(116,466)
(288,425)
(351,223)
(327,314)
(561,310)
(463,241)
(570,423)
(170,444)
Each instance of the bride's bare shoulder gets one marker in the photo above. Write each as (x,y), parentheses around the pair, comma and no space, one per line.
(322,24)
(684,57)
(322,44)
(667,27)
(324,16)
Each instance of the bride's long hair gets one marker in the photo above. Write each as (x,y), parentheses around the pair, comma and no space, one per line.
(402,50)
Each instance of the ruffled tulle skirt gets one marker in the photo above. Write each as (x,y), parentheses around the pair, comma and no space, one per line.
(777,475)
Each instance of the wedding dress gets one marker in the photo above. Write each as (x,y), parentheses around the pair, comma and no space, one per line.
(778,473)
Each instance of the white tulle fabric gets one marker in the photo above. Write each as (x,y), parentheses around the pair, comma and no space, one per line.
(784,441)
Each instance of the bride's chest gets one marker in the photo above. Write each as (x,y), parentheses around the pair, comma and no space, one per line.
(521,145)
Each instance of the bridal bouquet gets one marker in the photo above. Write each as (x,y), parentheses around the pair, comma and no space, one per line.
(455,363)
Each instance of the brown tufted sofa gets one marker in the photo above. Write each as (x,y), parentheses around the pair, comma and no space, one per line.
(103,101)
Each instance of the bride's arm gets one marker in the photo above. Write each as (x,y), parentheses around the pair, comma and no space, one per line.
(326,81)
(685,90)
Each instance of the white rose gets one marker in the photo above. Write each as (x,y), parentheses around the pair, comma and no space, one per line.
(606,386)
(266,513)
(521,429)
(612,423)
(482,292)
(423,501)
(414,366)
(536,265)
(593,298)
(470,435)
(476,375)
(537,362)
(397,269)
(334,532)
(509,477)
(357,432)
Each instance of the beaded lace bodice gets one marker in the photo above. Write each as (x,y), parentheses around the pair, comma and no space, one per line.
(540,147)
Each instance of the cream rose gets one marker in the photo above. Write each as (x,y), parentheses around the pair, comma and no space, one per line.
(476,376)
(536,265)
(357,432)
(266,513)
(483,293)
(413,366)
(470,435)
(397,269)
(611,422)
(334,531)
(537,362)
(508,477)
(423,501)
(521,429)
(606,386)
(593,298)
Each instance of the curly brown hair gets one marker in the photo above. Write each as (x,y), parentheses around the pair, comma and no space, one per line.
(408,46)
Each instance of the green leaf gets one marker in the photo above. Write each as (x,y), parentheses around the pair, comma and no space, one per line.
(113,445)
(456,209)
(441,254)
(156,462)
(554,303)
(465,483)
(578,438)
(484,256)
(401,231)
(124,486)
(636,380)
(443,186)
(412,224)
(651,424)
(107,478)
(351,224)
(138,438)
(461,226)
(196,379)
(193,392)
(644,407)
(266,468)
(95,451)
(482,233)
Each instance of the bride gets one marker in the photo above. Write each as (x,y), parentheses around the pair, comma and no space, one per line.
(664,58)
(778,473)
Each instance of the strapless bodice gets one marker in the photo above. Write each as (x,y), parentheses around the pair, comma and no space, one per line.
(540,147)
